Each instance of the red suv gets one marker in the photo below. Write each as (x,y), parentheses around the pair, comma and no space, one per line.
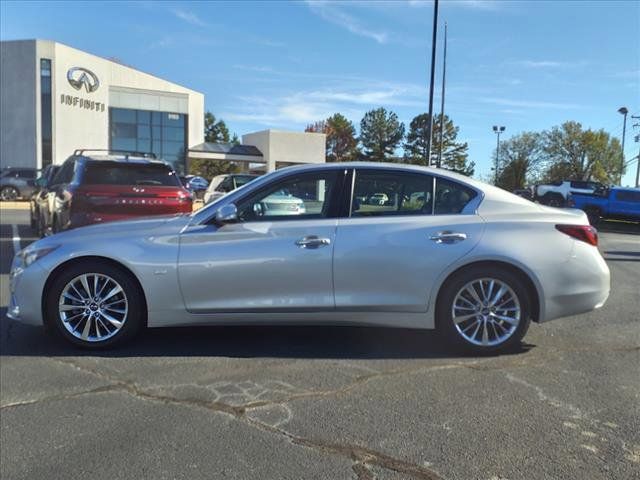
(108,186)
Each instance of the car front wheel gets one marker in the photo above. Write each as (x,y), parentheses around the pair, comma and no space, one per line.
(484,310)
(94,305)
(8,194)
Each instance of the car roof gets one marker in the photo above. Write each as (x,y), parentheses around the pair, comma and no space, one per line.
(121,159)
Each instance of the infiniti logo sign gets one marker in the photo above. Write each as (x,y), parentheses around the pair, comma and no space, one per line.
(79,77)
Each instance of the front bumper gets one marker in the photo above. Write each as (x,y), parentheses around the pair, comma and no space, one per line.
(25,292)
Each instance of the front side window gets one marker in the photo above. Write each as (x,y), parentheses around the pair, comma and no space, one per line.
(296,198)
(383,193)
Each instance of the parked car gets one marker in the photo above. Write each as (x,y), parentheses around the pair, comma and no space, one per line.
(103,187)
(378,199)
(556,194)
(196,185)
(39,195)
(17,183)
(609,203)
(474,261)
(524,193)
(280,203)
(223,184)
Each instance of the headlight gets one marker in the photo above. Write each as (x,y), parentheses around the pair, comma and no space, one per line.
(30,255)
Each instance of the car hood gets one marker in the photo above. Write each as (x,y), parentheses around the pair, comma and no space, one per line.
(127,229)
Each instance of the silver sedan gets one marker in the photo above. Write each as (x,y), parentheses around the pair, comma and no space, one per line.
(444,251)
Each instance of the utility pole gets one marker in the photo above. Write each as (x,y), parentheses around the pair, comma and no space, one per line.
(637,139)
(623,111)
(444,76)
(433,73)
(498,130)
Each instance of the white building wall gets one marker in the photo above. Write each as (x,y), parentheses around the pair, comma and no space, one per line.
(281,147)
(74,125)
(19,79)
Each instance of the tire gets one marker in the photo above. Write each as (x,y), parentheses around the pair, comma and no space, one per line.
(9,194)
(553,200)
(594,215)
(126,306)
(468,334)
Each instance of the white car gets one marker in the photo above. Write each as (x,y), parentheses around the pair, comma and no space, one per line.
(556,194)
(220,185)
(378,199)
(469,259)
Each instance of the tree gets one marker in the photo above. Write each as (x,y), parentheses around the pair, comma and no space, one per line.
(454,153)
(521,159)
(341,143)
(581,154)
(215,131)
(380,134)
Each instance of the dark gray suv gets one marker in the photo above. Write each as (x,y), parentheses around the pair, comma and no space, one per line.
(17,183)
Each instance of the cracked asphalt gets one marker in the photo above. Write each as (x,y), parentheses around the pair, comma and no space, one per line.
(327,403)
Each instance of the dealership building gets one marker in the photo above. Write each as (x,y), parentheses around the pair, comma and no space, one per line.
(55,99)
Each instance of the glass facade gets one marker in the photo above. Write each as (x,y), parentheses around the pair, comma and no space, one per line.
(161,133)
(45,111)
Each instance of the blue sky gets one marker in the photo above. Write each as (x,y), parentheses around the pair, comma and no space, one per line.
(525,65)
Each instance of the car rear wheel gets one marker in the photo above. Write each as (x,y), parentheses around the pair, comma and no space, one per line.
(8,194)
(94,305)
(484,310)
(594,215)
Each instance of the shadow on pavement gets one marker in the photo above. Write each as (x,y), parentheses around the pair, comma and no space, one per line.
(245,342)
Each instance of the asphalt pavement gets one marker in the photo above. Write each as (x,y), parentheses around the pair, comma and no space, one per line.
(326,403)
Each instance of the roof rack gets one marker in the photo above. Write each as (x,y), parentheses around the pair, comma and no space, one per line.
(126,153)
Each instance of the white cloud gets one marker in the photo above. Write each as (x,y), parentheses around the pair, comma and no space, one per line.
(549,64)
(528,103)
(475,4)
(304,107)
(332,13)
(189,17)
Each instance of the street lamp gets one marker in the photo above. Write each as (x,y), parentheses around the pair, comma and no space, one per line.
(623,111)
(498,131)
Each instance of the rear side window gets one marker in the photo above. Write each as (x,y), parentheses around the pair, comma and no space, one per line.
(115,173)
(627,196)
(451,197)
(385,193)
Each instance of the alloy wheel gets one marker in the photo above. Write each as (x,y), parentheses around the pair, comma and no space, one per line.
(486,312)
(93,307)
(8,194)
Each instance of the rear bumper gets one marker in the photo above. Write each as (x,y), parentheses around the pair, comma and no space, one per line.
(91,218)
(580,285)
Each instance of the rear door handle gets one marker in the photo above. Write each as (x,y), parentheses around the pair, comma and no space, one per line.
(313,241)
(448,237)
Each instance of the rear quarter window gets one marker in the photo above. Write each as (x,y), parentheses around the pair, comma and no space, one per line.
(113,173)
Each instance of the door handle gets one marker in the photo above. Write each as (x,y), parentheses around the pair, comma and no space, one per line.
(313,241)
(448,237)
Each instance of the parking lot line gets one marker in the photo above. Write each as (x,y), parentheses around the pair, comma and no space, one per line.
(16,238)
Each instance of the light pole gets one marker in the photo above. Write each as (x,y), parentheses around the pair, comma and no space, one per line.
(444,77)
(623,111)
(431,85)
(498,130)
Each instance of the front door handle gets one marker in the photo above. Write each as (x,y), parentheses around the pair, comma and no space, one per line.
(313,241)
(448,237)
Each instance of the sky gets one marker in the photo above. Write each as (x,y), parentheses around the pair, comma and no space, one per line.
(526,65)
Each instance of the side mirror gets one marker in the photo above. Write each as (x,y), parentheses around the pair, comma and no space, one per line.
(41,182)
(227,214)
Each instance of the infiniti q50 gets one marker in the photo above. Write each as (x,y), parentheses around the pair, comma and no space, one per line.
(443,251)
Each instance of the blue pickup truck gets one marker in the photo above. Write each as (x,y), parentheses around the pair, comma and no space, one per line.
(609,203)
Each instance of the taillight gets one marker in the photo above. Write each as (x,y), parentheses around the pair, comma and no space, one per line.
(585,233)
